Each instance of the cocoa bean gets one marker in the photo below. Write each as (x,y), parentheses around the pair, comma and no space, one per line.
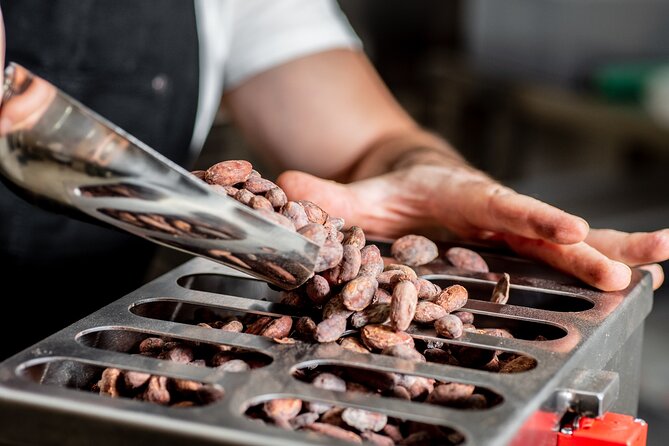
(463,258)
(373,314)
(318,289)
(314,232)
(259,202)
(256,327)
(135,380)
(335,307)
(244,196)
(156,390)
(451,394)
(259,185)
(277,197)
(334,432)
(151,346)
(371,263)
(364,420)
(282,408)
(358,293)
(426,289)
(228,173)
(449,326)
(353,345)
(377,439)
(403,305)
(404,351)
(414,250)
(314,213)
(382,296)
(520,364)
(355,237)
(465,316)
(500,294)
(329,256)
(295,212)
(428,312)
(452,298)
(108,383)
(278,328)
(379,337)
(331,329)
(305,329)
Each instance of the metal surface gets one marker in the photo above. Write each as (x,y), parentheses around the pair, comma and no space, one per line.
(61,155)
(586,330)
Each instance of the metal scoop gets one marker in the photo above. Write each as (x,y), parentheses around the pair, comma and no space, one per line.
(58,153)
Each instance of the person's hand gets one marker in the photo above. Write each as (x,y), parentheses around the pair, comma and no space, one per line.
(473,206)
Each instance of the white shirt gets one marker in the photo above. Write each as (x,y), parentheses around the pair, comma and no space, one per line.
(241,38)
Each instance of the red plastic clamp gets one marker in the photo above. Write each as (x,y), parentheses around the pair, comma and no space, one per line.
(611,429)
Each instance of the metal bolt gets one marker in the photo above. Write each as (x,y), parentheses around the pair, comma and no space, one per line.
(567,431)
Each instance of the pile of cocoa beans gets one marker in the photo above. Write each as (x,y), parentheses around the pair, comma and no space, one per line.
(366,305)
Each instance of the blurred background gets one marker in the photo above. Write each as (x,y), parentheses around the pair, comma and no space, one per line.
(564,100)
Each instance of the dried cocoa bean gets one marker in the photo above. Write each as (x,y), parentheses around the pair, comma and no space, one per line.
(277,197)
(180,353)
(417,386)
(403,305)
(234,366)
(156,390)
(259,202)
(426,289)
(334,432)
(428,312)
(371,263)
(295,212)
(329,256)
(353,345)
(379,337)
(355,237)
(282,408)
(318,289)
(465,316)
(358,293)
(304,419)
(349,267)
(199,174)
(314,212)
(463,258)
(314,232)
(233,326)
(331,329)
(257,326)
(228,173)
(364,420)
(278,328)
(382,296)
(373,314)
(500,295)
(452,298)
(451,394)
(244,197)
(404,352)
(392,277)
(335,307)
(377,439)
(305,329)
(135,380)
(151,346)
(259,185)
(520,364)
(414,250)
(449,326)
(108,383)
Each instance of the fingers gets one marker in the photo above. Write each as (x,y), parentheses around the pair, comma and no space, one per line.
(656,272)
(334,198)
(487,205)
(580,260)
(635,248)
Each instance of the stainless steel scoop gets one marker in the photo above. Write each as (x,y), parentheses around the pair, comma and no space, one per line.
(55,151)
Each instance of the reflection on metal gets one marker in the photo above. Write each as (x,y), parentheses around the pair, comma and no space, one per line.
(60,154)
(591,339)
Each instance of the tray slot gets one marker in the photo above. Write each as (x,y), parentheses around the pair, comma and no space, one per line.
(234,286)
(213,355)
(382,384)
(518,295)
(81,376)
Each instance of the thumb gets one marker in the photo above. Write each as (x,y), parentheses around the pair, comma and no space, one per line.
(335,198)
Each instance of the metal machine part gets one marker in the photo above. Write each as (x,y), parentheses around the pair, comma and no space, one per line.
(589,362)
(62,155)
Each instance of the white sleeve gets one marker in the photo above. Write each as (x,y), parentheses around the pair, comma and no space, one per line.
(267,33)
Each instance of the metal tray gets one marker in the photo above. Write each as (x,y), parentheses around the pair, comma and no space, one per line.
(590,362)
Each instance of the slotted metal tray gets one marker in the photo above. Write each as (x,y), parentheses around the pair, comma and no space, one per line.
(588,332)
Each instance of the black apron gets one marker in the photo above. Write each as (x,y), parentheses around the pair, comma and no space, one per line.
(135,62)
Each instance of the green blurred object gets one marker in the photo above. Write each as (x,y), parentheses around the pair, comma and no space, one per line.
(624,83)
